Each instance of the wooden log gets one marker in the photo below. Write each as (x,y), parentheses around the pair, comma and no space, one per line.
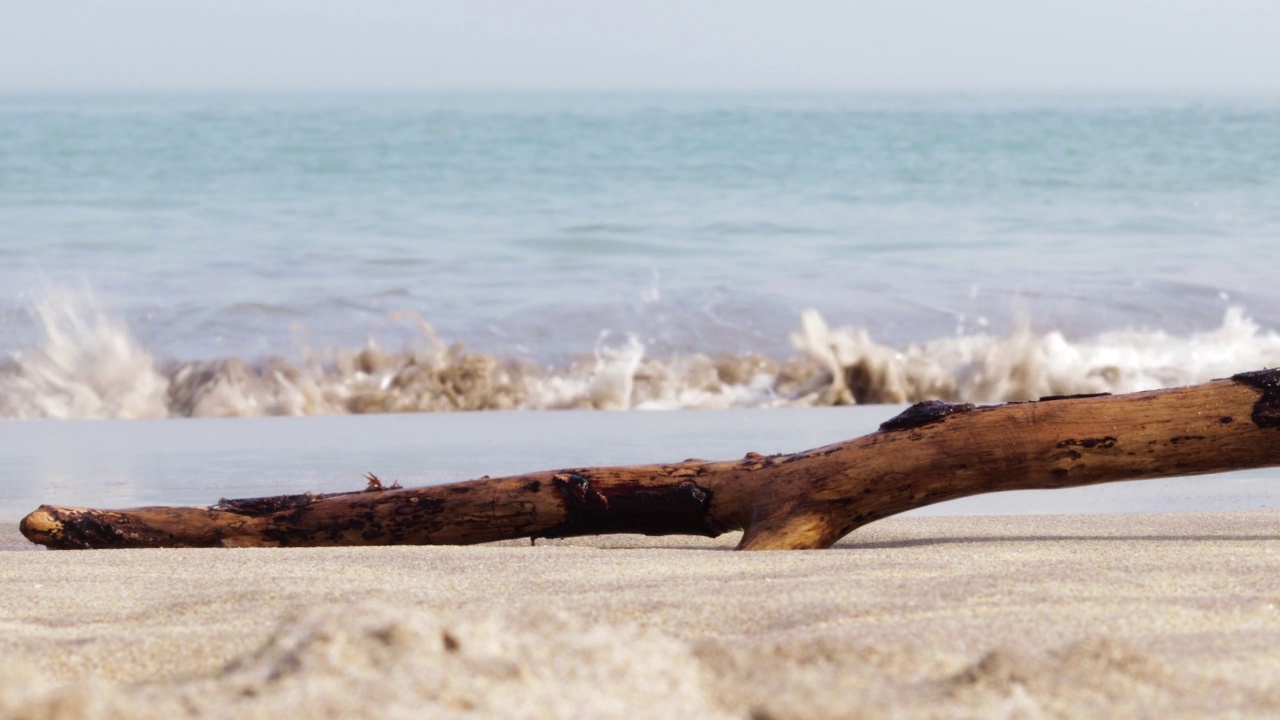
(930,453)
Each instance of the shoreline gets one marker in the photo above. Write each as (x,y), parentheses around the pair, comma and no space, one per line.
(1167,614)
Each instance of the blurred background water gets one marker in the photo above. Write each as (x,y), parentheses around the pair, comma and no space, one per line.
(526,225)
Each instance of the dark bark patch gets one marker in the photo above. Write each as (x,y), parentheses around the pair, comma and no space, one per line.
(578,489)
(924,413)
(679,510)
(1266,411)
(1051,398)
(1102,443)
(263,506)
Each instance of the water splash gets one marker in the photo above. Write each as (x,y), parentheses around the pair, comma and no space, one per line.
(88,365)
(983,368)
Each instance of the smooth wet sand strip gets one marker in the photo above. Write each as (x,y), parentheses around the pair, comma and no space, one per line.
(1056,616)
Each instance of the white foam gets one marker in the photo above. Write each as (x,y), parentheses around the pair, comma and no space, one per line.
(611,384)
(1026,366)
(88,365)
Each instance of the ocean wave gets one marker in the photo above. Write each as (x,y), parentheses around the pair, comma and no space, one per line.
(89,365)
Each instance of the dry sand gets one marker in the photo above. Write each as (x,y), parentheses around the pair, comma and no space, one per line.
(1058,616)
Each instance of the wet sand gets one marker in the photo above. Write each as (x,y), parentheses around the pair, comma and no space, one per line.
(1156,615)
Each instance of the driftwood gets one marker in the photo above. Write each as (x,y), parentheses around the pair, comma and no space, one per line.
(930,453)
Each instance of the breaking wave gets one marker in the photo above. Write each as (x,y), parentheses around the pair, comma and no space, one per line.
(89,365)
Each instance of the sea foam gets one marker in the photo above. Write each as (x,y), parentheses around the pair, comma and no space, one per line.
(89,365)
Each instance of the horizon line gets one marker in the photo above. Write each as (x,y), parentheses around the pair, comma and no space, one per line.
(1022,91)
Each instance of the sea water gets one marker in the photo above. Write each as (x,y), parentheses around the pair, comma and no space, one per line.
(178,256)
(212,255)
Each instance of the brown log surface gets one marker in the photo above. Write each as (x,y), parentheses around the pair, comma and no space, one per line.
(930,453)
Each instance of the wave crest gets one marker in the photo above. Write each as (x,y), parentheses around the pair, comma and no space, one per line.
(981,368)
(90,366)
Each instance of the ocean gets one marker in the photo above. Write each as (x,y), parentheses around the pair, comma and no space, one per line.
(170,256)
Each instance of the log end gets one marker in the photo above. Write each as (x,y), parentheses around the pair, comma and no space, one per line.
(42,527)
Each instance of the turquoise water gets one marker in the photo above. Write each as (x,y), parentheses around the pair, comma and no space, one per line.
(551,230)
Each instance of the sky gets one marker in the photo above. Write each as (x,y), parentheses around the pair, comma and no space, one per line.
(731,45)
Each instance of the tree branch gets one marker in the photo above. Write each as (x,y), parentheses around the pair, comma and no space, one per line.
(930,453)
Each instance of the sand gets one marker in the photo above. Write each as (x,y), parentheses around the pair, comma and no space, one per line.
(1174,615)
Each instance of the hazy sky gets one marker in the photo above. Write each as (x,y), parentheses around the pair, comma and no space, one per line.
(654,44)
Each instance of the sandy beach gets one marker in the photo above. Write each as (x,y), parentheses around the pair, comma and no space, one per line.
(256,257)
(1156,615)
